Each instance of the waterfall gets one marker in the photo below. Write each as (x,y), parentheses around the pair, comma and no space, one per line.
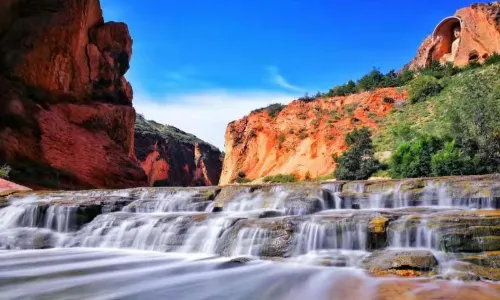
(413,231)
(328,225)
(338,234)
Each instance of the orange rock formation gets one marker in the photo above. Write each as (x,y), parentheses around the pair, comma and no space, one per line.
(302,138)
(66,119)
(480,36)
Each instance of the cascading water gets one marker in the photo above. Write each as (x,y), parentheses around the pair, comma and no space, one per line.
(413,231)
(325,225)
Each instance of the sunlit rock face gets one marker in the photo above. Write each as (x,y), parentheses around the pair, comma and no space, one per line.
(480,36)
(172,157)
(65,108)
(302,138)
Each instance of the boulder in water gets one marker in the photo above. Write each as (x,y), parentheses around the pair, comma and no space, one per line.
(393,260)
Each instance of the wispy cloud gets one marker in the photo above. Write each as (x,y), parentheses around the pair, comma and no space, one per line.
(206,113)
(186,76)
(278,79)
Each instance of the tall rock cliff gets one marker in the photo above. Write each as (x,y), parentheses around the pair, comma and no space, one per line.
(172,157)
(302,137)
(479,38)
(66,115)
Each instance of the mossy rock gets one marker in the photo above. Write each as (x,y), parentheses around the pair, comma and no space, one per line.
(485,272)
(488,259)
(452,242)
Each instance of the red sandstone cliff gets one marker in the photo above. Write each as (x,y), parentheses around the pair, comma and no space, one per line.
(480,36)
(66,115)
(303,136)
(172,157)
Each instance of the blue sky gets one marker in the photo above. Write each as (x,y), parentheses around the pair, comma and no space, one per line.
(198,64)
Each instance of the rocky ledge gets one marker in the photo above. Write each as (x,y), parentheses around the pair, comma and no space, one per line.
(446,228)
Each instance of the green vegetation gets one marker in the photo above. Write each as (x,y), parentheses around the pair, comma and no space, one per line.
(4,171)
(492,59)
(281,178)
(452,126)
(371,81)
(413,159)
(358,162)
(282,138)
(273,110)
(423,87)
(324,178)
(242,180)
(350,108)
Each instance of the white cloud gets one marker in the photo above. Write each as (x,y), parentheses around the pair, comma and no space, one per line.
(206,113)
(278,79)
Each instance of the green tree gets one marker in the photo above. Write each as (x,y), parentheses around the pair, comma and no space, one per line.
(357,162)
(371,81)
(474,118)
(413,159)
(452,161)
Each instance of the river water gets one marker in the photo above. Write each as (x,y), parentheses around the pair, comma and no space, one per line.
(304,241)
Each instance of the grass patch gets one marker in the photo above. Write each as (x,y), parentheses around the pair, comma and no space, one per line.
(281,178)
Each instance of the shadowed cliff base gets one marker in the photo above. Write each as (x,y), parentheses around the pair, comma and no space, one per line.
(172,157)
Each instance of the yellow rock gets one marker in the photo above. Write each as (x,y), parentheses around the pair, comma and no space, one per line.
(377,225)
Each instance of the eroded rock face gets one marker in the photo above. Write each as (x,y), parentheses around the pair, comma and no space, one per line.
(480,36)
(302,138)
(171,157)
(65,107)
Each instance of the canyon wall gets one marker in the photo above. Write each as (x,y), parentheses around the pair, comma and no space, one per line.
(302,137)
(172,157)
(66,115)
(480,36)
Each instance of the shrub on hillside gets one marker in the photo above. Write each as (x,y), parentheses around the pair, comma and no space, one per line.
(281,178)
(242,180)
(273,110)
(370,81)
(492,59)
(413,159)
(357,162)
(405,77)
(452,161)
(423,87)
(4,171)
(307,98)
(437,70)
(343,90)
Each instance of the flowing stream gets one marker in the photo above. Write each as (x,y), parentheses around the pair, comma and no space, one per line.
(298,241)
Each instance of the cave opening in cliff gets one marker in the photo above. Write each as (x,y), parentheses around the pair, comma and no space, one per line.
(445,34)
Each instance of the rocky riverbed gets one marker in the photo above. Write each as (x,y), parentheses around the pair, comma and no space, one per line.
(395,239)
